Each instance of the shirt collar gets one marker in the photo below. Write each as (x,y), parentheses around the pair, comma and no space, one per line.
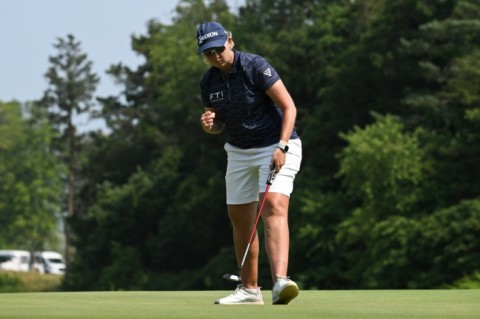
(236,58)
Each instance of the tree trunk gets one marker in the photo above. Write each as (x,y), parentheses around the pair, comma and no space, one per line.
(71,192)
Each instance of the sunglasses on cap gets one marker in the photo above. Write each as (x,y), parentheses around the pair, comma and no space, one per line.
(213,51)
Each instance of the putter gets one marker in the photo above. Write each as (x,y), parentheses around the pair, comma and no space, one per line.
(231,277)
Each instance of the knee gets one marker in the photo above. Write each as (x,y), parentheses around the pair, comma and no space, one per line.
(277,205)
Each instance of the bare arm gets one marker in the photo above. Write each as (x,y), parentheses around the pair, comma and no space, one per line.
(280,96)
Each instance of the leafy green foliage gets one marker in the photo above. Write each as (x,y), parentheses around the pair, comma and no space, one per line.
(28,282)
(70,94)
(30,176)
(71,83)
(381,166)
(388,111)
(468,282)
(402,252)
(9,282)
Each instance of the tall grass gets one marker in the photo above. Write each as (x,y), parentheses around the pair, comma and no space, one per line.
(11,281)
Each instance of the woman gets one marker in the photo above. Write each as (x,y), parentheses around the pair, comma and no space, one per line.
(243,94)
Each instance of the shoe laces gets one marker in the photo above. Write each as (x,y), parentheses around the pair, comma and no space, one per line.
(239,287)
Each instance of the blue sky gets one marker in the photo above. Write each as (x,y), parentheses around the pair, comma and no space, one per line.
(29,28)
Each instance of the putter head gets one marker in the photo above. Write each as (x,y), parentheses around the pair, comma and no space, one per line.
(231,277)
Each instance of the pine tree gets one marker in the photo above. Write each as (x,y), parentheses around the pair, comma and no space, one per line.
(70,94)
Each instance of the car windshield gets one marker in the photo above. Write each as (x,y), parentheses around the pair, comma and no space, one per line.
(55,260)
(5,258)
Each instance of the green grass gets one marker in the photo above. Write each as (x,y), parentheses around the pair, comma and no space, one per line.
(359,304)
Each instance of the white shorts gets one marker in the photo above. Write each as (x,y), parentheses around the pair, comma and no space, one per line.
(248,169)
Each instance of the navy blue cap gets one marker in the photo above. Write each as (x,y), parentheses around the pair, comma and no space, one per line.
(211,35)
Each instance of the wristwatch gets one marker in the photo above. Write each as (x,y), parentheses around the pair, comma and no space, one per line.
(283,147)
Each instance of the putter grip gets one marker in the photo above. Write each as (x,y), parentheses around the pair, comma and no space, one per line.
(271,176)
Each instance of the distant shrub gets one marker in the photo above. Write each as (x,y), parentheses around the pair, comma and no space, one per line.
(9,282)
(468,282)
(29,282)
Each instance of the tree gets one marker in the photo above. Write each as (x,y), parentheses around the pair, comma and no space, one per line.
(159,189)
(70,94)
(382,168)
(10,137)
(447,51)
(417,61)
(373,206)
(30,173)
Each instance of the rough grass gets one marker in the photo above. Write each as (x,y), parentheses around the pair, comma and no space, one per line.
(392,304)
(11,281)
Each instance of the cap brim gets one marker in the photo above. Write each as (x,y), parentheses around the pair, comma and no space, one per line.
(212,44)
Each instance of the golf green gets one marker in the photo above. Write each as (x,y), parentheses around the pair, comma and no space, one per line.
(356,304)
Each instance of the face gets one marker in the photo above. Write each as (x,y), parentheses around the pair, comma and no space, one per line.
(213,51)
(220,57)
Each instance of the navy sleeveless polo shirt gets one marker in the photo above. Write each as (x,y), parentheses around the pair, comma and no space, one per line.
(239,99)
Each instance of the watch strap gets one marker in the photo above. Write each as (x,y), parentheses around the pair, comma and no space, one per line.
(283,147)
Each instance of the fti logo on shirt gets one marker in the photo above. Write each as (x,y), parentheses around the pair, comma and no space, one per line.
(267,72)
(216,96)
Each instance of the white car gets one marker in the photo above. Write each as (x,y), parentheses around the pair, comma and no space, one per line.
(15,260)
(49,262)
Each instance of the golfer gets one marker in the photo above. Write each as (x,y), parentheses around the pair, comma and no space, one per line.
(244,95)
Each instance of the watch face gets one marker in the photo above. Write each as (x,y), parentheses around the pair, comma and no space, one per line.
(283,147)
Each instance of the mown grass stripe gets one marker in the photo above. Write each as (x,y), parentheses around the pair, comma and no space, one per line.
(358,304)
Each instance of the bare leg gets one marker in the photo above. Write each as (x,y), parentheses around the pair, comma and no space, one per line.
(277,235)
(243,218)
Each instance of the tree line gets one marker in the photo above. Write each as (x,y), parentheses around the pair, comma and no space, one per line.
(388,111)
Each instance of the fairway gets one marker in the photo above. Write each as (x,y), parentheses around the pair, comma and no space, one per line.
(199,304)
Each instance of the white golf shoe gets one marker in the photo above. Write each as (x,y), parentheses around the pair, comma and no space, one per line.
(242,296)
(284,291)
